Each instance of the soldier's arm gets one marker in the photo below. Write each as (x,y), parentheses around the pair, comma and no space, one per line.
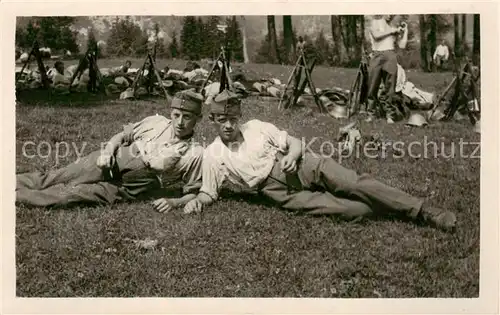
(190,164)
(126,136)
(380,31)
(179,202)
(114,143)
(294,147)
(212,179)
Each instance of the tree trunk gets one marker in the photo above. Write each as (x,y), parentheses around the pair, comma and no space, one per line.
(356,47)
(288,38)
(423,43)
(456,29)
(463,37)
(476,43)
(243,28)
(273,42)
(345,33)
(338,39)
(362,38)
(432,38)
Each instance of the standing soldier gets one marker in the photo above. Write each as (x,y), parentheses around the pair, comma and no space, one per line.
(383,64)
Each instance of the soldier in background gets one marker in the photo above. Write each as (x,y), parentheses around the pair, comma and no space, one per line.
(383,64)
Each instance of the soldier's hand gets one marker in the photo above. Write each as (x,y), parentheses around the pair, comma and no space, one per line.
(288,164)
(105,160)
(163,205)
(194,205)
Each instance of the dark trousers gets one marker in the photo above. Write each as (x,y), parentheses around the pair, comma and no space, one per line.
(323,186)
(83,182)
(383,67)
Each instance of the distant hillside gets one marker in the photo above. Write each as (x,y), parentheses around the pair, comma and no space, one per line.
(255,26)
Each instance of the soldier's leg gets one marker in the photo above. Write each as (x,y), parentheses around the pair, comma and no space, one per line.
(64,195)
(81,171)
(378,196)
(374,80)
(284,192)
(390,68)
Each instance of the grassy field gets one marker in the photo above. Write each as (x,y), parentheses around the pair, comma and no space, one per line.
(242,249)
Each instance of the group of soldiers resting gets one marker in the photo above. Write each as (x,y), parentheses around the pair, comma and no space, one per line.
(144,159)
(115,79)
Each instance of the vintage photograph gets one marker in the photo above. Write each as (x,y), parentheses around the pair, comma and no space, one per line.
(325,156)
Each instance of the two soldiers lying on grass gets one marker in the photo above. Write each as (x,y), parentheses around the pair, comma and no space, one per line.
(254,156)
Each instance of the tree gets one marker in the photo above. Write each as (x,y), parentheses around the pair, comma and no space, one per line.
(22,38)
(161,49)
(424,57)
(476,42)
(339,56)
(173,48)
(273,42)
(463,36)
(52,32)
(362,33)
(349,33)
(288,41)
(126,38)
(432,37)
(202,38)
(190,38)
(456,29)
(246,59)
(234,39)
(213,36)
(92,41)
(323,49)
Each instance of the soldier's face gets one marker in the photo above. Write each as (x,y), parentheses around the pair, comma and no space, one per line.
(227,127)
(183,122)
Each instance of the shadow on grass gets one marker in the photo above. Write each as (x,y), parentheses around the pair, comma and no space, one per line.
(44,98)
(376,216)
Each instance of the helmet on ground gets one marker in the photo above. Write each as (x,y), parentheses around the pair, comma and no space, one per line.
(416,120)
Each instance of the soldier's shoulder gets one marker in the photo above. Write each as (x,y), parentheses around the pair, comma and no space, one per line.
(157,119)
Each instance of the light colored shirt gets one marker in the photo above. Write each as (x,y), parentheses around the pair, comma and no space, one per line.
(173,71)
(442,51)
(386,43)
(190,75)
(242,168)
(69,71)
(59,79)
(155,138)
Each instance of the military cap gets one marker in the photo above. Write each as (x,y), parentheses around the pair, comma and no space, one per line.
(188,100)
(226,103)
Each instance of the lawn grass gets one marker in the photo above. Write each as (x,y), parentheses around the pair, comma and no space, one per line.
(243,249)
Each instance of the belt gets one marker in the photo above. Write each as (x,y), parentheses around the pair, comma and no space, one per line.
(126,160)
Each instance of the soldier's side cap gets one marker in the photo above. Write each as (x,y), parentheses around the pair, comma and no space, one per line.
(188,100)
(226,103)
